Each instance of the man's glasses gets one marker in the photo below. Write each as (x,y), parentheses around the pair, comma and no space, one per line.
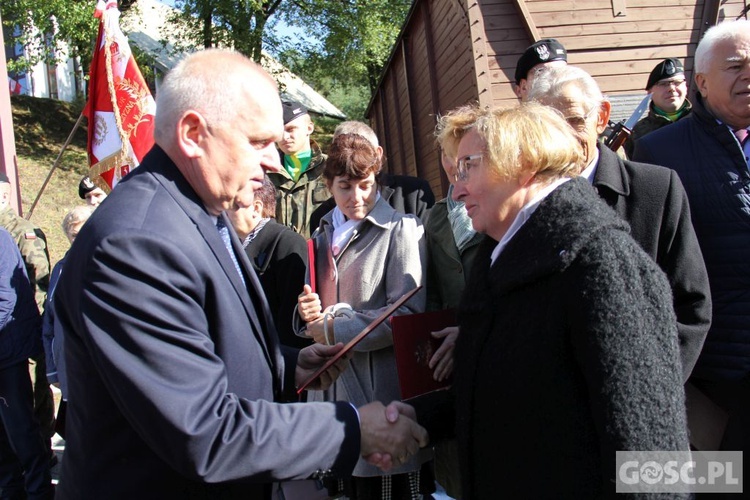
(666,84)
(463,165)
(579,122)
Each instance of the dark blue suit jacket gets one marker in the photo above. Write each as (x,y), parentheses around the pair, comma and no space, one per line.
(173,366)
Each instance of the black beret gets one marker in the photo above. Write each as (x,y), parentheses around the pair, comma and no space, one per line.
(85,187)
(4,178)
(665,69)
(292,110)
(543,51)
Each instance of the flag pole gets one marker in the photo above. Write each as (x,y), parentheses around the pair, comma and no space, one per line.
(55,165)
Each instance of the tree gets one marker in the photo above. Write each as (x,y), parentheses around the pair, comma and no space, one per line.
(241,24)
(357,36)
(355,40)
(43,26)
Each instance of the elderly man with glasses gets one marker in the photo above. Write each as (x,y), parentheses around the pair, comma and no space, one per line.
(669,102)
(650,198)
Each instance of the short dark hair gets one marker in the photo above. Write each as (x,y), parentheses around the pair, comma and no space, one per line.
(267,196)
(353,156)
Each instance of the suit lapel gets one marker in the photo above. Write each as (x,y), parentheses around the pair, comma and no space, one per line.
(180,190)
(252,296)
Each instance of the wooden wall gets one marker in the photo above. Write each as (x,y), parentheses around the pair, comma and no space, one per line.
(617,41)
(452,52)
(430,71)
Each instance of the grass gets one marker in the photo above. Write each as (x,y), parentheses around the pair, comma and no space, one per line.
(41,127)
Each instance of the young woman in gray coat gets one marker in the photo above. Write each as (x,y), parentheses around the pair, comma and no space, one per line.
(367,256)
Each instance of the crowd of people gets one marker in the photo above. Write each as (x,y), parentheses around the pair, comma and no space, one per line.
(601,296)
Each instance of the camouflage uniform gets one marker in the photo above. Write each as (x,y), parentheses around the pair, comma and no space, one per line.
(653,121)
(296,201)
(33,245)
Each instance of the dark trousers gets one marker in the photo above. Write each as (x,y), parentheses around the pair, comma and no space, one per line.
(24,460)
(44,403)
(734,398)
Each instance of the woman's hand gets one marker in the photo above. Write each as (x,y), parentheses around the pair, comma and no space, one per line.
(442,361)
(315,330)
(308,305)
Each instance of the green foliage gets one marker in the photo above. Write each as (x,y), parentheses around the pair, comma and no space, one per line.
(357,36)
(245,25)
(43,26)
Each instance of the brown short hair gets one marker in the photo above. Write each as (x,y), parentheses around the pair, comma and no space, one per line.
(353,156)
(267,196)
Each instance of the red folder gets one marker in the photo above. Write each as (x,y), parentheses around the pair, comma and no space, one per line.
(414,345)
(311,262)
(350,345)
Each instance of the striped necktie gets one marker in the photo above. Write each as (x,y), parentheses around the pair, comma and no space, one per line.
(224,233)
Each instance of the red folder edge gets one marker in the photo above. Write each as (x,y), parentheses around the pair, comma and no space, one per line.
(413,346)
(350,345)
(311,262)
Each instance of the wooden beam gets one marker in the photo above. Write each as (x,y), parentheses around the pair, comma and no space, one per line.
(399,128)
(410,98)
(709,18)
(8,163)
(431,64)
(528,21)
(619,9)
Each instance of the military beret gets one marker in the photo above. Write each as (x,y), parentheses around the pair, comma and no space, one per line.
(85,187)
(666,69)
(292,110)
(4,178)
(543,51)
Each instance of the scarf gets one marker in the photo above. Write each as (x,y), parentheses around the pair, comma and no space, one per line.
(297,163)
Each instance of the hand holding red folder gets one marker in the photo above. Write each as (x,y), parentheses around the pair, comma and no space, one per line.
(350,345)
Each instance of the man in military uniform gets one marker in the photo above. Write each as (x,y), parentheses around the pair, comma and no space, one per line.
(90,192)
(32,243)
(547,52)
(668,88)
(300,187)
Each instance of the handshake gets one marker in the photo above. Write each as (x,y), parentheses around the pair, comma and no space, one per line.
(389,434)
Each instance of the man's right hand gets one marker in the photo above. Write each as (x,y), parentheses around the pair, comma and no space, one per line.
(389,434)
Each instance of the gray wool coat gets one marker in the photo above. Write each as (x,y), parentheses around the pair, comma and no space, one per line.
(384,259)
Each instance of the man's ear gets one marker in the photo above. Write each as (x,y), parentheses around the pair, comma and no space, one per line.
(701,83)
(602,116)
(310,127)
(258,207)
(191,131)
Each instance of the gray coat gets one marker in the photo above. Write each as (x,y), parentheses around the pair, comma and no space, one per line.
(383,260)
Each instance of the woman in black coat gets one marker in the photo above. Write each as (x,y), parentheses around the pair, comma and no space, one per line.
(568,348)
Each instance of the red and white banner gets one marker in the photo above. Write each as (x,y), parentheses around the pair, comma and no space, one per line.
(14,87)
(120,109)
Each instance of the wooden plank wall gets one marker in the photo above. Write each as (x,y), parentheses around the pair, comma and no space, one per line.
(452,52)
(618,50)
(431,71)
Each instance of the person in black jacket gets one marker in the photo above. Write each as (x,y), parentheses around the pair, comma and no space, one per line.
(405,193)
(649,198)
(568,348)
(278,255)
(706,152)
(24,458)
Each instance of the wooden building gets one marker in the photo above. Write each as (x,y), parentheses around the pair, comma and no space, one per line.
(452,52)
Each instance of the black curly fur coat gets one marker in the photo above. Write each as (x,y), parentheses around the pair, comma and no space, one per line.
(568,352)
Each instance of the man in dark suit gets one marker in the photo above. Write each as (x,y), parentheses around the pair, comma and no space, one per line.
(405,193)
(650,198)
(175,372)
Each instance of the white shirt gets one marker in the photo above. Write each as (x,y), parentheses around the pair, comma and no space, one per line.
(523,215)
